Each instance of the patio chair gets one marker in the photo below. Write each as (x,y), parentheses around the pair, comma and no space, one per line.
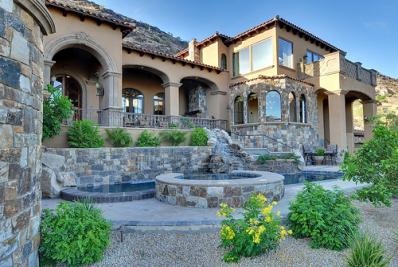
(308,153)
(331,154)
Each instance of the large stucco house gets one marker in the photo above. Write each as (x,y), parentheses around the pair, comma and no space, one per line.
(275,85)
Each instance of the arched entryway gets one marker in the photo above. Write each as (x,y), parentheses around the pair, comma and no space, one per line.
(71,88)
(238,110)
(252,108)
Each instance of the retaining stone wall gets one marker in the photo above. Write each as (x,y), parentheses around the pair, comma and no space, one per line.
(110,165)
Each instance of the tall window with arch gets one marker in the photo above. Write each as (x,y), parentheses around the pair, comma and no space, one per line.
(158,104)
(133,101)
(223,64)
(303,109)
(273,111)
(238,110)
(252,108)
(292,107)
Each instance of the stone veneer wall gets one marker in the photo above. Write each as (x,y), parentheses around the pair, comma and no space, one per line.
(276,136)
(111,165)
(21,83)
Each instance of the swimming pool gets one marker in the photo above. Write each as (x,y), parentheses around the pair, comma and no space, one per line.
(312,176)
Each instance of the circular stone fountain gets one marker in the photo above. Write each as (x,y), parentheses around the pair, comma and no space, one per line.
(210,190)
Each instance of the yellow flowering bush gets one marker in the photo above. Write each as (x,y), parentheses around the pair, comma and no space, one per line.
(257,231)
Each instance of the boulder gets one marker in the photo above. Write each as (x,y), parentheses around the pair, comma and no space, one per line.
(49,186)
(53,161)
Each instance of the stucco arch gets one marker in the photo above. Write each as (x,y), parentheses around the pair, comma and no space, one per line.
(207,82)
(84,41)
(163,76)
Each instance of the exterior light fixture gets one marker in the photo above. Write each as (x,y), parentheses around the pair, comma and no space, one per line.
(100,89)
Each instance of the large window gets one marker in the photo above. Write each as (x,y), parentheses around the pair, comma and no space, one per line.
(133,101)
(252,58)
(238,110)
(224,62)
(158,104)
(262,54)
(303,109)
(312,57)
(273,106)
(285,53)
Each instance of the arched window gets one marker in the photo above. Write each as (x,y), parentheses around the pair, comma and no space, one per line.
(133,101)
(303,109)
(273,110)
(292,107)
(252,108)
(223,62)
(238,110)
(158,104)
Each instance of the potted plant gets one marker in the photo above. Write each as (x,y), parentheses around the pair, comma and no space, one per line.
(319,156)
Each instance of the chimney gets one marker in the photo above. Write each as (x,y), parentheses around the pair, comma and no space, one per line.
(193,51)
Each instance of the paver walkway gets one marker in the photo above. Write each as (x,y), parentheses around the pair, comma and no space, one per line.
(151,212)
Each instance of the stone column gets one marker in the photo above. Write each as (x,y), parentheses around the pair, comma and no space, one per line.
(48,64)
(22,25)
(337,119)
(111,104)
(172,98)
(349,127)
(369,111)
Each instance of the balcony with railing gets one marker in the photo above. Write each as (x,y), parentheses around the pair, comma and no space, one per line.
(336,63)
(135,120)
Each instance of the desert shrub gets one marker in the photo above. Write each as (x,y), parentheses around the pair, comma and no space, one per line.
(74,234)
(56,108)
(173,137)
(119,137)
(147,139)
(84,134)
(262,159)
(327,217)
(376,163)
(199,137)
(366,251)
(257,231)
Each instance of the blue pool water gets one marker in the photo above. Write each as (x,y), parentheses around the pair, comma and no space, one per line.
(117,188)
(297,178)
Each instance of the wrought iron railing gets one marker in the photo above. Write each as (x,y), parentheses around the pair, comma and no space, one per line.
(135,120)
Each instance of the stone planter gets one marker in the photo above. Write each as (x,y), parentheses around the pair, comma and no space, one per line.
(318,160)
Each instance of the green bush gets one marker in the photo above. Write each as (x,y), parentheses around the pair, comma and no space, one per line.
(119,137)
(327,217)
(147,139)
(56,109)
(84,134)
(376,163)
(257,231)
(262,159)
(320,152)
(199,137)
(173,137)
(366,251)
(75,234)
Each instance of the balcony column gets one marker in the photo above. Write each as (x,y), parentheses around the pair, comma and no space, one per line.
(337,119)
(111,102)
(369,111)
(172,98)
(48,64)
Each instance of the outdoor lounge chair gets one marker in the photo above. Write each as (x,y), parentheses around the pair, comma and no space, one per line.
(331,154)
(308,153)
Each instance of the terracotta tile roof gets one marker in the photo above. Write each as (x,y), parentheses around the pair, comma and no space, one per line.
(276,21)
(95,11)
(172,58)
(264,77)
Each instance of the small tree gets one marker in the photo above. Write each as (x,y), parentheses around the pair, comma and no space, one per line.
(56,108)
(376,163)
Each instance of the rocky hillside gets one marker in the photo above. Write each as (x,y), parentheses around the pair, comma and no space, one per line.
(150,37)
(387,94)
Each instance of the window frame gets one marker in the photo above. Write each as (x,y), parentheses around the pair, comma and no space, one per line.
(280,106)
(292,55)
(242,112)
(251,54)
(312,56)
(135,97)
(160,94)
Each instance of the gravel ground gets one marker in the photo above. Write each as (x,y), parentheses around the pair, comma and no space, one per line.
(201,248)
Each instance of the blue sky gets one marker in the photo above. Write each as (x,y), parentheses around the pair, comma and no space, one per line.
(366,30)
